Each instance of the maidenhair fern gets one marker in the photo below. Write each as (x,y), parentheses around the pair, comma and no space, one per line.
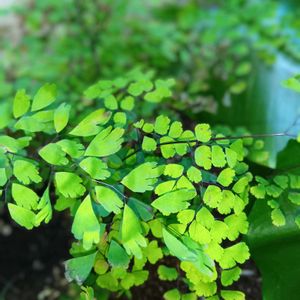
(138,190)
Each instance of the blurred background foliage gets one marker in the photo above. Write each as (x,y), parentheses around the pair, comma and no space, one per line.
(225,55)
(228,59)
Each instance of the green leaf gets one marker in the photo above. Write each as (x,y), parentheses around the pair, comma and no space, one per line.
(186,216)
(205,217)
(53,154)
(173,170)
(26,172)
(162,90)
(231,157)
(156,228)
(243,69)
(294,197)
(237,224)
(203,157)
(120,119)
(22,216)
(292,84)
(227,203)
(137,88)
(127,103)
(238,148)
(273,190)
(232,295)
(89,125)
(258,191)
(131,232)
(168,150)
(295,181)
(218,156)
(240,185)
(177,248)
(45,213)
(282,181)
(161,125)
(175,130)
(226,177)
(153,252)
(237,253)
(194,174)
(117,256)
(142,178)
(79,268)
(229,276)
(21,103)
(173,294)
(95,167)
(106,143)
(61,117)
(108,199)
(212,196)
(214,250)
(203,263)
(174,201)
(108,281)
(69,184)
(238,87)
(141,209)
(101,266)
(24,196)
(165,187)
(204,285)
(110,102)
(85,225)
(297,220)
(190,296)
(44,97)
(278,218)
(3,176)
(148,127)
(31,124)
(199,233)
(10,144)
(149,144)
(218,231)
(87,293)
(135,278)
(72,148)
(203,133)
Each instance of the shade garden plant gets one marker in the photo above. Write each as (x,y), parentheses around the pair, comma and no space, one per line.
(117,146)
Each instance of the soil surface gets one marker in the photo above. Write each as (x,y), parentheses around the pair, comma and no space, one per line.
(31,265)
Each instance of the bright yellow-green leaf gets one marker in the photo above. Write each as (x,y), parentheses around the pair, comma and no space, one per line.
(26,172)
(95,167)
(24,196)
(203,133)
(21,103)
(131,232)
(85,225)
(106,143)
(22,216)
(44,96)
(69,184)
(61,117)
(89,125)
(109,199)
(142,178)
(203,157)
